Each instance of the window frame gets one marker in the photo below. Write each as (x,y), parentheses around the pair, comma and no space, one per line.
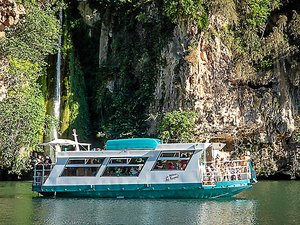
(86,165)
(159,158)
(124,165)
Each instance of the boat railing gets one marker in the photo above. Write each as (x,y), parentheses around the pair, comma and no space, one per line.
(41,173)
(216,171)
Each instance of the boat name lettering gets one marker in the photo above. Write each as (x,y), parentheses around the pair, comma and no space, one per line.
(172,177)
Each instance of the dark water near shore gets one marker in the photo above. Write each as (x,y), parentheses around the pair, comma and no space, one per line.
(269,202)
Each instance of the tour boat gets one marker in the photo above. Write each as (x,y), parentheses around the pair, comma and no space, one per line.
(142,168)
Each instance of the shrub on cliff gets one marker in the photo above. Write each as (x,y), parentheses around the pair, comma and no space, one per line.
(178,126)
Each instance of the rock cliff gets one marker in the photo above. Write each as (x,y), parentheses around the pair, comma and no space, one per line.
(249,107)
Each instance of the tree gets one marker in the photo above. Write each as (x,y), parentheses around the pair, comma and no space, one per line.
(178,126)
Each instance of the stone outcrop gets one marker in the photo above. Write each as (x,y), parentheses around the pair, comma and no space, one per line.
(10,13)
(3,71)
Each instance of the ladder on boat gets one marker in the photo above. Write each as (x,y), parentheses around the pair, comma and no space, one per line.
(41,173)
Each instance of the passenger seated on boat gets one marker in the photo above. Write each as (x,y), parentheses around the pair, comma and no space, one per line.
(183,164)
(159,165)
(109,173)
(171,166)
(118,172)
(133,171)
(125,171)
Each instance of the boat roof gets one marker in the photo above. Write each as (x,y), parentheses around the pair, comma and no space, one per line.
(132,144)
(182,146)
(136,152)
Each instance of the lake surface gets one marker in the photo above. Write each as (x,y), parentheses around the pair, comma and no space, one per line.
(269,202)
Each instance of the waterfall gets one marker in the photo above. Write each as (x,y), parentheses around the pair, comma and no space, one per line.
(57,84)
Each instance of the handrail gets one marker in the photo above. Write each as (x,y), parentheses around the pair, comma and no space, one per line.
(215,171)
(41,173)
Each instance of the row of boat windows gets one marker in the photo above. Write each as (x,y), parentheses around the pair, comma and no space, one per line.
(125,166)
(85,161)
(109,171)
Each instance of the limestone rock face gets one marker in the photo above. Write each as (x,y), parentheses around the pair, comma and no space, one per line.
(250,108)
(3,71)
(10,13)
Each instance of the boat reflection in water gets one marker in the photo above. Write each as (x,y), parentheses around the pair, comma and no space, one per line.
(144,211)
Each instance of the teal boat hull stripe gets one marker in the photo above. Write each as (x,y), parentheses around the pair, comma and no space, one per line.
(187,190)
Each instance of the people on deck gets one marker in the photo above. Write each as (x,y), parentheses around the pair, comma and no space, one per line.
(47,160)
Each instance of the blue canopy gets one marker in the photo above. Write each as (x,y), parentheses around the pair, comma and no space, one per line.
(133,143)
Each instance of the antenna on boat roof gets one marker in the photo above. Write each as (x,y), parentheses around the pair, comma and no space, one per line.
(76,140)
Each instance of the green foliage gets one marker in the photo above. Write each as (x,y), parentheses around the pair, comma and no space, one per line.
(186,10)
(22,116)
(35,37)
(258,11)
(79,113)
(178,126)
(259,38)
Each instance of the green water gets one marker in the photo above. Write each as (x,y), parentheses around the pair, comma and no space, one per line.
(269,202)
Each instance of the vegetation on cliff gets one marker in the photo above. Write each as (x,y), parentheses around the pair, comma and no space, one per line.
(178,126)
(22,116)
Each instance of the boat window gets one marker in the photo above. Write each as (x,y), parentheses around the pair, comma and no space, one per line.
(76,161)
(118,161)
(169,154)
(85,161)
(95,161)
(127,160)
(80,171)
(178,154)
(122,171)
(137,160)
(82,167)
(179,161)
(125,167)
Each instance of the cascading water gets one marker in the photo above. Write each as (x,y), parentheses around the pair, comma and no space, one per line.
(57,85)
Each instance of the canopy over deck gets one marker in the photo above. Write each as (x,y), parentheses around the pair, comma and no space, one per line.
(66,142)
(133,143)
(60,142)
